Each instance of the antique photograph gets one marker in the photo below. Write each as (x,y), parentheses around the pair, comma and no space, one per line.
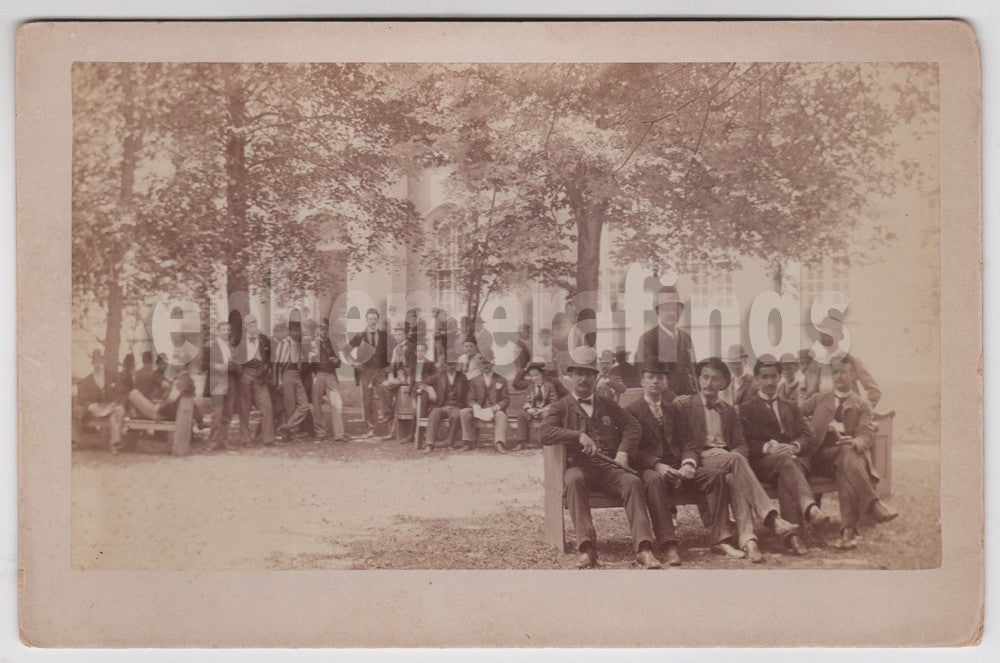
(438,334)
(471,315)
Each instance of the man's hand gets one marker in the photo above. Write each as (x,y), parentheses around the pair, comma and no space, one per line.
(589,446)
(687,471)
(859,445)
(621,458)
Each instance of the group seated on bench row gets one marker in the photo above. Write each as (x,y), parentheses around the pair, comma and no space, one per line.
(661,447)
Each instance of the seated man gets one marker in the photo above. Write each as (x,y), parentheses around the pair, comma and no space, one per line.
(788,387)
(741,385)
(148,380)
(488,401)
(781,443)
(540,395)
(165,409)
(472,360)
(842,423)
(666,467)
(97,401)
(718,435)
(609,384)
(629,373)
(594,429)
(448,396)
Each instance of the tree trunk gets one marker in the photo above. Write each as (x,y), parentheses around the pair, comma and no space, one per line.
(589,223)
(113,331)
(131,145)
(236,191)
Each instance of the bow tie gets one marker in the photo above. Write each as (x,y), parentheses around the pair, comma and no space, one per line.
(586,401)
(712,406)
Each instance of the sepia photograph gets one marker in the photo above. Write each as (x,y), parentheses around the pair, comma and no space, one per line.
(505,316)
(387,334)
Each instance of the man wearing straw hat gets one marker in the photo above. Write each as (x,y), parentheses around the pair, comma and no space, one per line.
(599,437)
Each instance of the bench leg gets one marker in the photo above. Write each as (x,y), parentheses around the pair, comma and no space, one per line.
(554,523)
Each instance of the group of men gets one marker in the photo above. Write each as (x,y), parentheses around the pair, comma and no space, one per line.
(699,428)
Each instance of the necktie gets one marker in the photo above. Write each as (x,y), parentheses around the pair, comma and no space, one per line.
(773,404)
(371,338)
(838,414)
(586,401)
(712,406)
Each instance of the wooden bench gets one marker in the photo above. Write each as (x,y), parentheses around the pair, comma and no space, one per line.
(178,430)
(554,526)
(516,405)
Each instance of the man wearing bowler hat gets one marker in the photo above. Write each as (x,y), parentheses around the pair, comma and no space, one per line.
(666,466)
(667,343)
(600,437)
(711,425)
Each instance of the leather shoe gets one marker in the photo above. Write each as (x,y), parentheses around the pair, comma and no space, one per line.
(587,558)
(753,552)
(882,512)
(797,545)
(500,448)
(783,528)
(647,559)
(671,555)
(467,446)
(428,448)
(816,516)
(729,550)
(848,539)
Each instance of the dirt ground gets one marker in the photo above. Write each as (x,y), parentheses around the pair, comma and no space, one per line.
(373,503)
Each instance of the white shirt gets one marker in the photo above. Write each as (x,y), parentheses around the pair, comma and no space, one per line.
(655,406)
(713,426)
(672,333)
(588,409)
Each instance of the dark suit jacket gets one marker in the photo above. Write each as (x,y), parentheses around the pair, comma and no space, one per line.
(611,427)
(441,387)
(863,379)
(381,357)
(487,395)
(428,371)
(539,400)
(857,416)
(743,389)
(261,358)
(656,344)
(629,374)
(691,424)
(659,443)
(87,391)
(760,425)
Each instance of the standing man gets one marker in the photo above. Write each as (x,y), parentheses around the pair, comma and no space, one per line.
(599,437)
(293,385)
(488,400)
(279,358)
(98,397)
(224,387)
(666,467)
(372,355)
(741,386)
(326,382)
(254,355)
(842,424)
(788,387)
(715,428)
(781,444)
(668,343)
(451,391)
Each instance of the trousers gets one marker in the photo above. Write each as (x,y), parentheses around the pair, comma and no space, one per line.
(469,425)
(434,420)
(713,504)
(854,486)
(327,383)
(296,401)
(254,389)
(586,477)
(789,475)
(747,497)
